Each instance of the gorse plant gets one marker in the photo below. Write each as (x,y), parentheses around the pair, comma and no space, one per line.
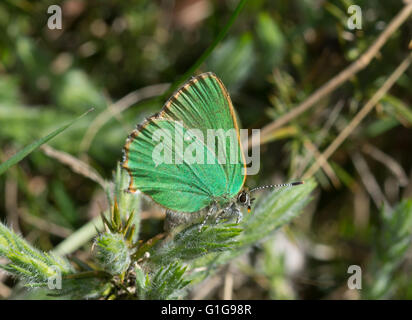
(160,268)
(391,245)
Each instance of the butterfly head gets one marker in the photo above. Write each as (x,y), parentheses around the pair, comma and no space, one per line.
(244,199)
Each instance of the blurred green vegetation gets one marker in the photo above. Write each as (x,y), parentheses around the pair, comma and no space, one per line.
(275,55)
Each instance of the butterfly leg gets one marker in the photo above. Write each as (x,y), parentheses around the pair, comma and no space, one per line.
(230,212)
(212,211)
(236,213)
(223,214)
(239,216)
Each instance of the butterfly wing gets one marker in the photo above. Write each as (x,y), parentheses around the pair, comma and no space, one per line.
(175,184)
(204,103)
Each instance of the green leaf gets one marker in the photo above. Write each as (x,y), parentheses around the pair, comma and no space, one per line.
(209,50)
(75,91)
(36,269)
(271,212)
(190,243)
(28,263)
(31,147)
(233,60)
(270,40)
(113,253)
(140,278)
(167,282)
(391,244)
(128,203)
(397,107)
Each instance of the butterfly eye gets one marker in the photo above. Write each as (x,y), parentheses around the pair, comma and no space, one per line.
(243,198)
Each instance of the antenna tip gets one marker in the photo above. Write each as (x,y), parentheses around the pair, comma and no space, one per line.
(297,183)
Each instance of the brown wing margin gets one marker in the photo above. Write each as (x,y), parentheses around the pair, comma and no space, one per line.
(133,135)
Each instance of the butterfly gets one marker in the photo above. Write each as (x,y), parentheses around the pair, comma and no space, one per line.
(199,108)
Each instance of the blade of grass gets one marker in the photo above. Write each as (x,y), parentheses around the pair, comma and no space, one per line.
(200,60)
(80,237)
(206,53)
(33,146)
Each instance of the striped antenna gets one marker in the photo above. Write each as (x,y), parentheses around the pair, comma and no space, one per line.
(275,186)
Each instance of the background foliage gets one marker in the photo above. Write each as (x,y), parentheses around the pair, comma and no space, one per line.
(117,55)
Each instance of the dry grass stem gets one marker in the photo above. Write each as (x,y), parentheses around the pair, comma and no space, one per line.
(117,108)
(75,164)
(361,63)
(359,116)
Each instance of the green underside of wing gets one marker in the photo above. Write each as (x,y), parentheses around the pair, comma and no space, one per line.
(205,104)
(184,187)
(198,106)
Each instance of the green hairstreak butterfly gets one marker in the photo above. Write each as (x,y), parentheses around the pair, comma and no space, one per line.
(171,158)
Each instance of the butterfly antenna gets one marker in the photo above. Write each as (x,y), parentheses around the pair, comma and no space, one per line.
(276,186)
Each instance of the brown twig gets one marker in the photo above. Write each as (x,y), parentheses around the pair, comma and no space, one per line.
(369,180)
(340,78)
(407,193)
(75,164)
(332,116)
(388,161)
(359,116)
(361,208)
(45,225)
(228,285)
(207,288)
(313,150)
